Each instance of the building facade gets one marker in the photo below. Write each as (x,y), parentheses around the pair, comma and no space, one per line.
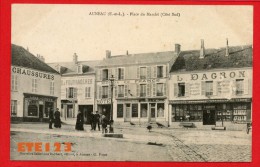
(134,87)
(35,87)
(212,85)
(77,88)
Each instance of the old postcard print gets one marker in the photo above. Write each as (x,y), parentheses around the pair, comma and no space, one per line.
(131,83)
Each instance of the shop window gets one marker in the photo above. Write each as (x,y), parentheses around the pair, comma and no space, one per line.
(121,91)
(181,113)
(143,110)
(160,110)
(143,73)
(159,71)
(52,88)
(13,108)
(34,85)
(120,110)
(181,89)
(143,90)
(159,91)
(134,110)
(121,72)
(104,91)
(105,74)
(239,87)
(87,92)
(14,83)
(209,88)
(32,108)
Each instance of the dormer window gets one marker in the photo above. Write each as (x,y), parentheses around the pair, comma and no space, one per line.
(79,69)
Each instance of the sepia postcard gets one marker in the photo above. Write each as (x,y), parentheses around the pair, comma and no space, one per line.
(143,83)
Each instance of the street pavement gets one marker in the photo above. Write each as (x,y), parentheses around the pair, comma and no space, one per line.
(161,144)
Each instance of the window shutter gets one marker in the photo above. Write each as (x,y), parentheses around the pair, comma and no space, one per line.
(116,73)
(155,71)
(187,89)
(154,89)
(122,73)
(138,73)
(99,92)
(137,90)
(164,71)
(215,88)
(246,86)
(164,89)
(175,90)
(100,75)
(149,72)
(16,82)
(148,89)
(126,90)
(250,86)
(67,92)
(75,91)
(116,91)
(109,73)
(109,92)
(203,87)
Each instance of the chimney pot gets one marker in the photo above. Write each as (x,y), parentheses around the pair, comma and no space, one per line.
(202,49)
(75,58)
(177,48)
(227,48)
(108,54)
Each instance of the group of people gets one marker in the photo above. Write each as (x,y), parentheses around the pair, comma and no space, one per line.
(95,121)
(54,118)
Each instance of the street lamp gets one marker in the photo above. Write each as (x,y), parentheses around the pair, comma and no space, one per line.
(112,79)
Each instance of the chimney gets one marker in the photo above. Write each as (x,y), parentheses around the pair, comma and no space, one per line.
(127,53)
(227,48)
(202,49)
(108,54)
(177,48)
(42,59)
(75,58)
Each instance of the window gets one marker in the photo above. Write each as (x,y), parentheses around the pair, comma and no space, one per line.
(87,92)
(34,85)
(143,72)
(181,89)
(71,92)
(239,87)
(104,91)
(13,108)
(105,74)
(14,82)
(143,90)
(159,71)
(160,110)
(134,110)
(120,110)
(209,88)
(52,88)
(159,89)
(143,110)
(120,73)
(120,90)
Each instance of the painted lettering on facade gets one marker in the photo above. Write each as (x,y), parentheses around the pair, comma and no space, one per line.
(215,75)
(23,71)
(77,82)
(103,101)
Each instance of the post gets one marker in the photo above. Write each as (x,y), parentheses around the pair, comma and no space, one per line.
(111,129)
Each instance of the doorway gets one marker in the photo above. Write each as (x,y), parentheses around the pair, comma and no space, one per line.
(152,113)
(41,112)
(209,117)
(127,112)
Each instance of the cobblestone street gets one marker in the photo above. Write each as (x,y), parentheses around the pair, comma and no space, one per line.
(162,144)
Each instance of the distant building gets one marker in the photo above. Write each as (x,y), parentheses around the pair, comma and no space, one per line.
(140,89)
(77,88)
(35,87)
(209,85)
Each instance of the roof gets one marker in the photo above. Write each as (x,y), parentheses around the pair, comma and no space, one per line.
(142,58)
(70,68)
(239,56)
(22,57)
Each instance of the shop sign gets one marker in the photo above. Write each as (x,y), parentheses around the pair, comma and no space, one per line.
(147,80)
(127,101)
(82,81)
(40,98)
(103,101)
(23,71)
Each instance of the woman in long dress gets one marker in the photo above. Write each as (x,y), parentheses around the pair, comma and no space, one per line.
(80,121)
(57,121)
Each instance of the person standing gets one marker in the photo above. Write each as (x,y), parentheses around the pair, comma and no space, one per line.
(92,120)
(97,121)
(57,121)
(80,121)
(50,110)
(104,122)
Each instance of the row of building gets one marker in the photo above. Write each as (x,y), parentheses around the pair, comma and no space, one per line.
(204,85)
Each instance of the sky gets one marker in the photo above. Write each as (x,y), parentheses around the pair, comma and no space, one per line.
(58,31)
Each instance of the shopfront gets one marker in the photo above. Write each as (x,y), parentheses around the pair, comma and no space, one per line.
(104,107)
(37,107)
(210,111)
